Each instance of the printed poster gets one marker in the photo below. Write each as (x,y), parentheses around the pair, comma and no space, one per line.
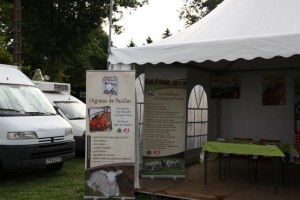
(225,87)
(164,123)
(273,89)
(110,134)
(297,118)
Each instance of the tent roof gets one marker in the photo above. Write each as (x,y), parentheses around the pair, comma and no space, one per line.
(235,29)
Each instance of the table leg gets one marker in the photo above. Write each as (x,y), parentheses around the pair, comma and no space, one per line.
(286,177)
(285,169)
(205,167)
(220,165)
(275,162)
(225,163)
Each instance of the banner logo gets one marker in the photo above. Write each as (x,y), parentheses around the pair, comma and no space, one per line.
(110,85)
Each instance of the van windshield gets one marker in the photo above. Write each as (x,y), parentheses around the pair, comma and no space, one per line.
(21,100)
(72,109)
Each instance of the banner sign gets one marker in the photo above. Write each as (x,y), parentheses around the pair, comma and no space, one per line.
(297,118)
(110,134)
(273,86)
(164,123)
(225,87)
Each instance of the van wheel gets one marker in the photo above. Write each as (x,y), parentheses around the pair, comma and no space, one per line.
(55,167)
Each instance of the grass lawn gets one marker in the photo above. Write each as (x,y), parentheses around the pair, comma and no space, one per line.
(40,184)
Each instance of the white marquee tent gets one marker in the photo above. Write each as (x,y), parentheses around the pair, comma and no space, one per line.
(235,29)
(242,37)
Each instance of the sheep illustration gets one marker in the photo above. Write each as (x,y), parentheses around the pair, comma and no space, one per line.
(110,88)
(105,182)
(153,165)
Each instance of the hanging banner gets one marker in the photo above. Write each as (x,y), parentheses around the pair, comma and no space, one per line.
(164,123)
(110,134)
(273,86)
(297,118)
(225,87)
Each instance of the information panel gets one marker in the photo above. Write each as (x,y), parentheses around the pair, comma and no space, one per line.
(297,118)
(164,123)
(110,134)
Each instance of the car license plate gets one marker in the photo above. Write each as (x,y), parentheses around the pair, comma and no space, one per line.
(53,160)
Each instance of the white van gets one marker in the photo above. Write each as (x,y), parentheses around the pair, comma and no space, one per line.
(69,107)
(31,133)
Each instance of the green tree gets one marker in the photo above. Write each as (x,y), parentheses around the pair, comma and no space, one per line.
(91,56)
(166,34)
(131,44)
(193,10)
(57,32)
(65,38)
(6,9)
(149,40)
(5,56)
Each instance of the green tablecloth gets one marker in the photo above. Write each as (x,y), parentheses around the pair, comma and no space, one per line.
(287,148)
(243,148)
(276,151)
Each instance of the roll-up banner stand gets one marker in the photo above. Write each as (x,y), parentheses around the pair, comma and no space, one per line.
(164,123)
(110,135)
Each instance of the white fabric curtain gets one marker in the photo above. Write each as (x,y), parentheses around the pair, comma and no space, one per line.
(114,67)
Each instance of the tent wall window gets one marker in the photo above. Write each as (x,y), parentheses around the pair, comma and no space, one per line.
(139,87)
(196,123)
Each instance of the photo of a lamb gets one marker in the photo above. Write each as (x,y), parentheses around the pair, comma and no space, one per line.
(156,165)
(170,163)
(113,181)
(163,166)
(105,182)
(152,165)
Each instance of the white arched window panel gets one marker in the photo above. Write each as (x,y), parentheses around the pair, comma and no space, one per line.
(190,129)
(197,118)
(139,87)
(198,98)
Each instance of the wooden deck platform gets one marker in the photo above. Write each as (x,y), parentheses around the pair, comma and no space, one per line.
(236,187)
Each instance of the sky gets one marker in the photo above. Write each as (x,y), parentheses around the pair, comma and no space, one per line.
(150,20)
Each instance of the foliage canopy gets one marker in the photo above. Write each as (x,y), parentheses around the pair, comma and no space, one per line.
(194,10)
(62,38)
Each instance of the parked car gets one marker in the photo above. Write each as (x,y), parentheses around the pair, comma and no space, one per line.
(31,133)
(69,107)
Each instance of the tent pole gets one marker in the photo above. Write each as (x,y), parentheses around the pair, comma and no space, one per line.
(110,29)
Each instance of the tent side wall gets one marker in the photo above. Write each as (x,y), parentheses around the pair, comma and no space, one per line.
(247,117)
